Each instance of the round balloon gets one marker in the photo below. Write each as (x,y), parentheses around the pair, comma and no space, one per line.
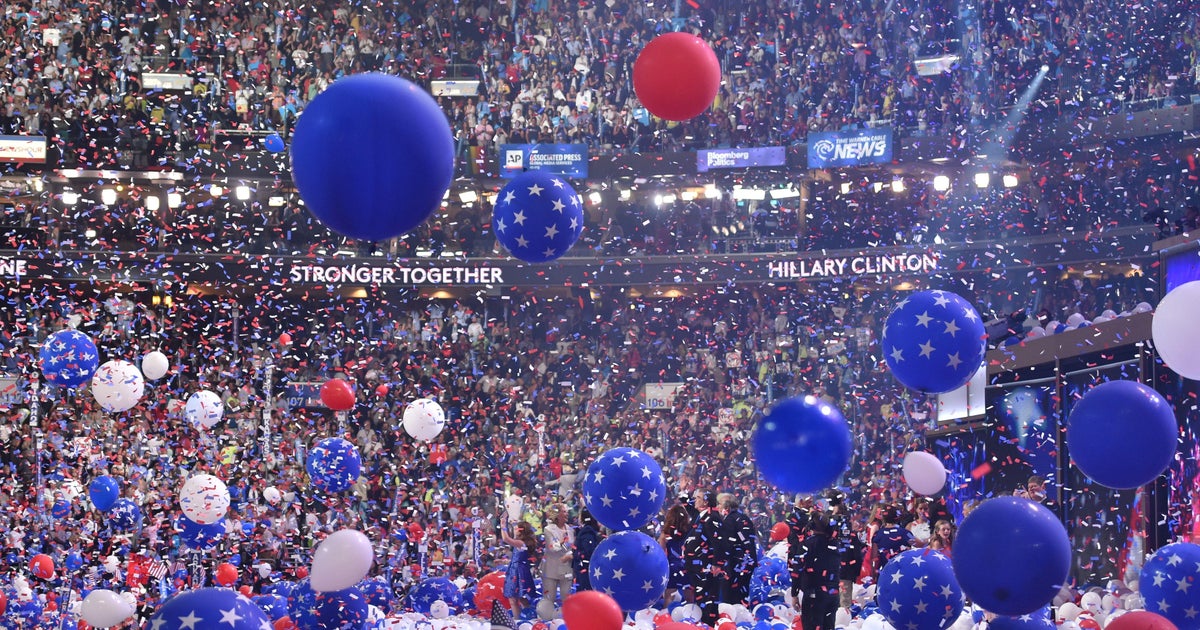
(125,515)
(934,341)
(676,76)
(337,394)
(198,536)
(274,143)
(489,591)
(61,509)
(104,492)
(1122,434)
(624,488)
(272,495)
(209,608)
(103,608)
(1039,620)
(204,409)
(333,465)
(917,588)
(924,473)
(624,564)
(372,156)
(424,419)
(378,593)
(311,610)
(118,386)
(1141,620)
(1011,556)
(537,216)
(1176,329)
(1167,580)
(69,358)
(432,590)
(273,605)
(592,610)
(204,499)
(155,365)
(802,445)
(226,574)
(341,561)
(770,579)
(42,566)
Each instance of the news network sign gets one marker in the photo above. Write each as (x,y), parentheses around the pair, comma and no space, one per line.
(567,160)
(850,148)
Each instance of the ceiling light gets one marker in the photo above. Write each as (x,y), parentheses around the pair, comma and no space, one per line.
(242,193)
(845,188)
(595,197)
(712,192)
(70,197)
(108,197)
(152,203)
(468,196)
(941,183)
(785,193)
(982,180)
(898,185)
(276,201)
(1011,181)
(174,200)
(216,190)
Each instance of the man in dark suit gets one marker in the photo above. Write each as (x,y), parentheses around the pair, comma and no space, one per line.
(703,558)
(820,562)
(740,544)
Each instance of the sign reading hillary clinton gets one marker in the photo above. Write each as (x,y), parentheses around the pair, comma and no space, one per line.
(853,147)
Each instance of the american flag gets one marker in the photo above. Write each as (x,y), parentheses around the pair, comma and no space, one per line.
(158,569)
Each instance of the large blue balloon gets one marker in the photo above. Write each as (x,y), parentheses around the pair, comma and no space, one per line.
(274,143)
(372,156)
(1039,620)
(934,341)
(537,216)
(1011,556)
(917,589)
(69,358)
(1166,584)
(432,590)
(770,581)
(379,593)
(197,536)
(29,612)
(630,567)
(125,514)
(802,445)
(310,610)
(209,608)
(104,492)
(334,465)
(1122,434)
(274,606)
(624,488)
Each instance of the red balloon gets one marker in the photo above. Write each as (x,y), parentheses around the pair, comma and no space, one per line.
(677,76)
(301,573)
(3,602)
(284,623)
(593,610)
(337,395)
(381,391)
(490,589)
(246,590)
(285,339)
(662,618)
(678,625)
(1141,620)
(227,574)
(42,566)
(780,531)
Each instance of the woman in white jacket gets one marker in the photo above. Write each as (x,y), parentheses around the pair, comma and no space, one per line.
(556,568)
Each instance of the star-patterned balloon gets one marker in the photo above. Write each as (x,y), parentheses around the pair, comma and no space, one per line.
(378,593)
(333,610)
(274,606)
(918,591)
(434,590)
(630,567)
(125,515)
(1039,620)
(206,608)
(1166,584)
(624,488)
(69,358)
(333,465)
(537,216)
(934,341)
(197,536)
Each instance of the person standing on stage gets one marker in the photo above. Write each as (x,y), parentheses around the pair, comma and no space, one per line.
(704,558)
(740,544)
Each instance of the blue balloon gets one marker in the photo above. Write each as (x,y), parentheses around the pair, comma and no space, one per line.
(61,509)
(69,358)
(631,567)
(802,445)
(624,488)
(1039,620)
(917,589)
(125,514)
(537,217)
(432,590)
(934,341)
(28,612)
(1122,434)
(73,561)
(379,593)
(283,589)
(1011,556)
(104,492)
(1166,584)
(197,536)
(372,156)
(310,610)
(333,465)
(274,606)
(209,608)
(770,581)
(274,143)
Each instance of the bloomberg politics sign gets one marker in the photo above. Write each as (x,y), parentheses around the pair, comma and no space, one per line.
(849,148)
(568,160)
(740,158)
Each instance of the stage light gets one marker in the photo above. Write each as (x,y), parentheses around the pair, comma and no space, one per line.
(785,193)
(897,185)
(152,203)
(687,195)
(70,197)
(595,197)
(468,196)
(625,194)
(108,197)
(89,233)
(174,200)
(749,194)
(877,186)
(711,191)
(668,198)
(1010,181)
(276,201)
(982,180)
(242,193)
(216,191)
(845,188)
(941,183)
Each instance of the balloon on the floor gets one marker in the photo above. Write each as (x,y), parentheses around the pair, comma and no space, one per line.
(917,588)
(208,608)
(1167,580)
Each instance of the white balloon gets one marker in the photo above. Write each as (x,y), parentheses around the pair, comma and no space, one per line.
(424,419)
(118,386)
(272,495)
(264,569)
(103,608)
(1109,313)
(1176,329)
(924,473)
(685,612)
(1052,326)
(1092,602)
(1068,611)
(513,504)
(204,499)
(1035,333)
(155,365)
(341,561)
(1075,319)
(204,409)
(1144,307)
(544,608)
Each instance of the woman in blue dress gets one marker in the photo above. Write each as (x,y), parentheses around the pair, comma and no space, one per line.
(676,526)
(518,581)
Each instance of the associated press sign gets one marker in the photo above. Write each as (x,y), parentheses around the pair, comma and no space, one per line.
(850,148)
